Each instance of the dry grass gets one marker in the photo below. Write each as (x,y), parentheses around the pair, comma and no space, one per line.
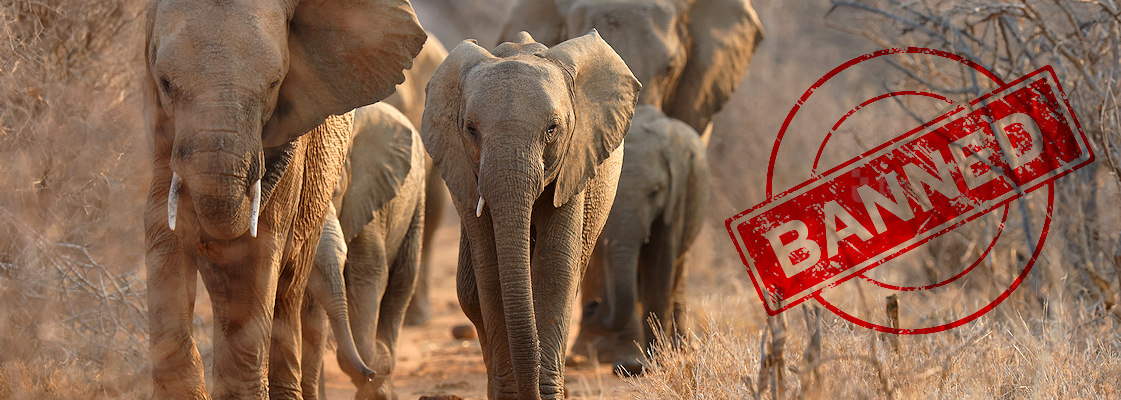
(74,321)
(73,156)
(1057,337)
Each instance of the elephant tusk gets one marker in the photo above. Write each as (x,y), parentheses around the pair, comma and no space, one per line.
(479,208)
(173,200)
(255,192)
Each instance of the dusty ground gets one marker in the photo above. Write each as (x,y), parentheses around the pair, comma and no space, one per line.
(73,161)
(431,362)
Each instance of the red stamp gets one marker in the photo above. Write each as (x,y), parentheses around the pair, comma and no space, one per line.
(967,162)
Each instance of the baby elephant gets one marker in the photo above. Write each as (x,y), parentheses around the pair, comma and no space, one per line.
(380,203)
(528,140)
(658,211)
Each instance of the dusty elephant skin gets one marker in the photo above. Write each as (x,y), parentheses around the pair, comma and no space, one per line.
(409,99)
(378,239)
(528,140)
(658,212)
(689,54)
(240,98)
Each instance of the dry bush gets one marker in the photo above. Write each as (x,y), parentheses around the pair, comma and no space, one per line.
(74,321)
(1080,40)
(1057,336)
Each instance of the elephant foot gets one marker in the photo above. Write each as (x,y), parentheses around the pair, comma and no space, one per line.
(586,352)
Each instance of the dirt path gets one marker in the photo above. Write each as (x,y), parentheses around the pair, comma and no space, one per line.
(431,362)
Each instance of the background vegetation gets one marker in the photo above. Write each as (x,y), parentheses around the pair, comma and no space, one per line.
(73,176)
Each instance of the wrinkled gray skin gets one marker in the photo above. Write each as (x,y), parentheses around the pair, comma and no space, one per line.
(241,99)
(326,302)
(658,212)
(409,98)
(380,221)
(689,54)
(528,140)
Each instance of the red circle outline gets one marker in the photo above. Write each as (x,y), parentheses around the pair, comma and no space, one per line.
(969,318)
(790,117)
(821,150)
(846,65)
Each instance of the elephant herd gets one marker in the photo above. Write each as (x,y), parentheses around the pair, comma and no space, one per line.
(300,200)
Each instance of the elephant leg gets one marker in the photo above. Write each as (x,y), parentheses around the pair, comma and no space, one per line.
(591,300)
(591,288)
(477,285)
(623,348)
(177,368)
(242,297)
(399,288)
(468,292)
(366,274)
(658,283)
(556,277)
(677,330)
(287,338)
(435,201)
(314,325)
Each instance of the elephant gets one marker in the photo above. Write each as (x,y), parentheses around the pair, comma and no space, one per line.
(528,139)
(689,54)
(409,99)
(325,301)
(657,215)
(247,104)
(377,236)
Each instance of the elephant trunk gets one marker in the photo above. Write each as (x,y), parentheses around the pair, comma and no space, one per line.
(218,159)
(328,289)
(509,193)
(620,280)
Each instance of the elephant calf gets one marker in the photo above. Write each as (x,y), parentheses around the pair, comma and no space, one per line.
(378,233)
(528,140)
(658,211)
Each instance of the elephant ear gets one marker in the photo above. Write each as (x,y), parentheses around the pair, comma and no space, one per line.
(156,121)
(442,122)
(380,160)
(343,54)
(542,19)
(605,93)
(723,36)
(688,175)
(409,97)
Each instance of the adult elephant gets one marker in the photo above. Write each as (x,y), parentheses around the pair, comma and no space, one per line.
(689,54)
(242,100)
(409,99)
(528,139)
(658,212)
(378,238)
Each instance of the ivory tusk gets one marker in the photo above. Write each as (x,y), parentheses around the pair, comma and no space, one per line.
(479,208)
(255,204)
(173,200)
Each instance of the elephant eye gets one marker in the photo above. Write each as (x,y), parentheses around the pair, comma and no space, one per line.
(551,132)
(165,85)
(474,133)
(274,84)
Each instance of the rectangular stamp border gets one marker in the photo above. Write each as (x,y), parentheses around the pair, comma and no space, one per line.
(774,305)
